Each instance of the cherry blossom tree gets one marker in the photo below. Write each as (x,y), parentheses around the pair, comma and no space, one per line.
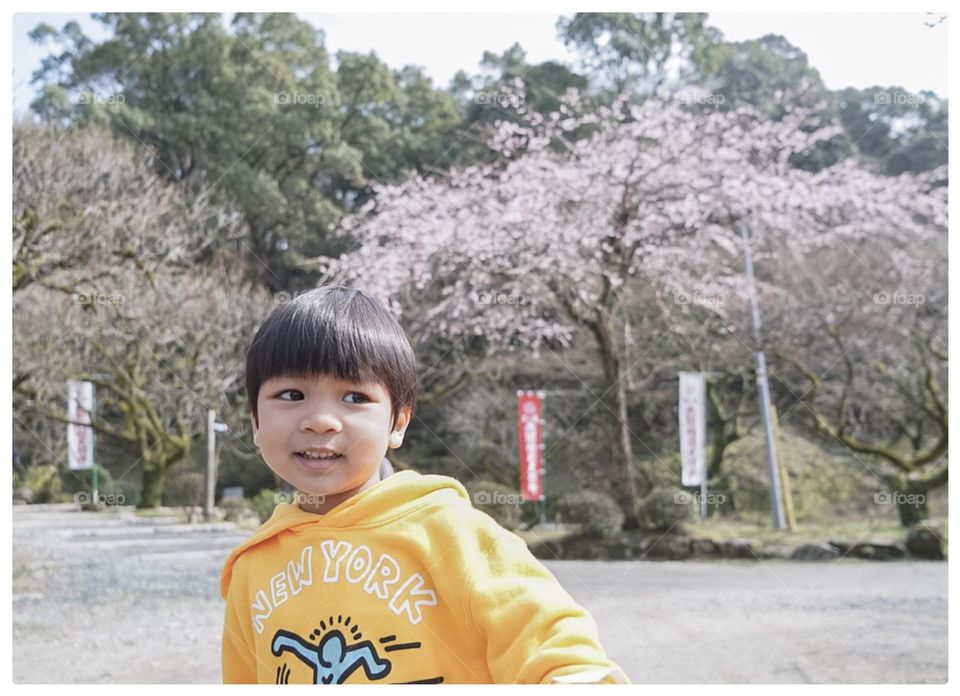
(860,343)
(108,287)
(523,251)
(160,355)
(87,205)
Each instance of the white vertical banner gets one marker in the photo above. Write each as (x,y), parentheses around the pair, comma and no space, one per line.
(79,437)
(693,428)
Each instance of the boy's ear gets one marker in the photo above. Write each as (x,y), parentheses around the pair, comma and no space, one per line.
(403,420)
(256,432)
(399,427)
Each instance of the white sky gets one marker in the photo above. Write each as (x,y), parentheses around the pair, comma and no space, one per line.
(848,49)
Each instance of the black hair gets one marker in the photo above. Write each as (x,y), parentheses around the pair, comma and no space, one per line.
(334,330)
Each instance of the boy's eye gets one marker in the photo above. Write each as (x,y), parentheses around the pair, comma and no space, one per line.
(352,397)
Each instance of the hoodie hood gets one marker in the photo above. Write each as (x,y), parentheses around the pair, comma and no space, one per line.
(391,498)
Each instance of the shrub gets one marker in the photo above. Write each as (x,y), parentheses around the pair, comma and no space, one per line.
(266,500)
(235,508)
(665,507)
(185,488)
(597,513)
(43,482)
(129,489)
(81,480)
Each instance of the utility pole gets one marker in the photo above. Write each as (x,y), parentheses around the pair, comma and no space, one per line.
(763,387)
(213,427)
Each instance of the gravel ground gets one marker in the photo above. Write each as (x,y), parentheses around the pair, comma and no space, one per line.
(107,599)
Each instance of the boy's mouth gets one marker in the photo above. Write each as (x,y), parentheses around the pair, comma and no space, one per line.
(319,453)
(318,457)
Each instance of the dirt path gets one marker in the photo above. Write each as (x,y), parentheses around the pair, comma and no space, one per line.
(110,600)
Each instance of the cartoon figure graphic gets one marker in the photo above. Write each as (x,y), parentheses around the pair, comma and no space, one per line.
(333,660)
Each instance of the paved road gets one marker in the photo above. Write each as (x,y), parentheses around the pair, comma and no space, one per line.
(117,599)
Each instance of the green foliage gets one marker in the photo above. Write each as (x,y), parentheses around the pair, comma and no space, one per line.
(254,117)
(485,96)
(632,50)
(894,129)
(235,508)
(597,513)
(264,503)
(825,481)
(73,482)
(260,117)
(185,488)
(44,483)
(754,72)
(664,508)
(129,489)
(250,473)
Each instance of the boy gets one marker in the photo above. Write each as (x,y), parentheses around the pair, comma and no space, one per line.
(398,580)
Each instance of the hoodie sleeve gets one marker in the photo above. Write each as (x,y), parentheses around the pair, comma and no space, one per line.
(237,657)
(534,632)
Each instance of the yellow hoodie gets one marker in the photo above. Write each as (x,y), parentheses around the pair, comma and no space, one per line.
(405,582)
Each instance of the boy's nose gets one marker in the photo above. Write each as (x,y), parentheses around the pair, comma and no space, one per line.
(321,422)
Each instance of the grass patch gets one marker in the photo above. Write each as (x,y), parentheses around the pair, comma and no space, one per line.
(536,535)
(161,512)
(846,530)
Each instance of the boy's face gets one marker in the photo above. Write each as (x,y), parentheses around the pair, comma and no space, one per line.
(327,415)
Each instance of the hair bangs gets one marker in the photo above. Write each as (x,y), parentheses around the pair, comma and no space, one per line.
(333,331)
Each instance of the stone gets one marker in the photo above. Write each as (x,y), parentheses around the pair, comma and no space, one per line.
(776,551)
(704,548)
(669,547)
(584,548)
(815,552)
(871,550)
(877,551)
(925,540)
(738,548)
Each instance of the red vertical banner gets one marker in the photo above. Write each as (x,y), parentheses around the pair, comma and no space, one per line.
(529,423)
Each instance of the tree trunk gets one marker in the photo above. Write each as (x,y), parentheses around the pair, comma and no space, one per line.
(910,494)
(912,509)
(624,482)
(151,490)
